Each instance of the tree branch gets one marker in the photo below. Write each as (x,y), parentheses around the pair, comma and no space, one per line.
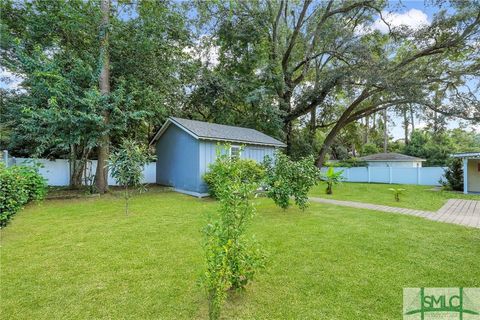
(294,36)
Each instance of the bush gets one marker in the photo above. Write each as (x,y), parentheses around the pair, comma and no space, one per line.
(19,185)
(454,175)
(286,178)
(226,168)
(232,259)
(348,163)
(35,184)
(369,148)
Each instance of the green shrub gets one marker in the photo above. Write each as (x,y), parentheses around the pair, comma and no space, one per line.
(286,178)
(35,184)
(19,185)
(348,163)
(226,168)
(454,175)
(369,148)
(231,258)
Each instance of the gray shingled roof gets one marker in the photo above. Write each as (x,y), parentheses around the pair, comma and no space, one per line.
(466,155)
(390,156)
(220,132)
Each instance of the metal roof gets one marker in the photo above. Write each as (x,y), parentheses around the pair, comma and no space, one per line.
(466,155)
(219,132)
(390,156)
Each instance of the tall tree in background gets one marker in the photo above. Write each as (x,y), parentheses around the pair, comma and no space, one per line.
(406,123)
(278,67)
(323,57)
(101,180)
(437,147)
(55,51)
(59,109)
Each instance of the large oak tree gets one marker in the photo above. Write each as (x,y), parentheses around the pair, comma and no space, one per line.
(324,60)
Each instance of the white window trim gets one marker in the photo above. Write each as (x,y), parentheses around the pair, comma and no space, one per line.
(237,147)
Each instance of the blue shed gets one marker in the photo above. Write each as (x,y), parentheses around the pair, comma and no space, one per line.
(185,148)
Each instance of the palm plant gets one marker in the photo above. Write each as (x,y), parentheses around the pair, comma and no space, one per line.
(332,178)
(397,192)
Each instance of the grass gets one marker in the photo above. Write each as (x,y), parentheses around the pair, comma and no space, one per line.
(84,259)
(414,197)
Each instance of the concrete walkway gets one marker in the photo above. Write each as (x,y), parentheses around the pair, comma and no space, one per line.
(456,211)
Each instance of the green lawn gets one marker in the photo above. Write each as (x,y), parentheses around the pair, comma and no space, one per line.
(414,197)
(84,259)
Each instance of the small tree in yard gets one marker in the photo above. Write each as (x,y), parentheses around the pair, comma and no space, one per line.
(126,165)
(231,258)
(454,175)
(286,178)
(332,178)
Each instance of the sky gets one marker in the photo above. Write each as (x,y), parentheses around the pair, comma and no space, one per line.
(411,13)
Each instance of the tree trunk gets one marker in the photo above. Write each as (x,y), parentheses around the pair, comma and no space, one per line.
(342,121)
(412,118)
(287,107)
(77,166)
(385,131)
(435,122)
(367,129)
(101,182)
(405,124)
(327,144)
(288,136)
(73,166)
(329,188)
(313,125)
(77,174)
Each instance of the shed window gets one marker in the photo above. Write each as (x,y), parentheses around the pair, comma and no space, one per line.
(235,151)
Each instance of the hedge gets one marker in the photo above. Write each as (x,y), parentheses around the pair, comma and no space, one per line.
(19,185)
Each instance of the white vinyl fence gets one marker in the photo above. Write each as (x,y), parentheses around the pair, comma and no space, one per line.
(57,172)
(429,176)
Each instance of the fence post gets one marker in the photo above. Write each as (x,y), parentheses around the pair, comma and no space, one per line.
(389,174)
(368,173)
(418,176)
(5,157)
(348,174)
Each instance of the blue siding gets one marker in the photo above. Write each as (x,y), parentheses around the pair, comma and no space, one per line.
(208,153)
(182,160)
(177,160)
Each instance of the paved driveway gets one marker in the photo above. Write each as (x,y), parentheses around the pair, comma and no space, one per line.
(456,211)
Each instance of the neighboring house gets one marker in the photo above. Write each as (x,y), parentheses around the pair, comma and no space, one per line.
(392,159)
(185,148)
(471,171)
